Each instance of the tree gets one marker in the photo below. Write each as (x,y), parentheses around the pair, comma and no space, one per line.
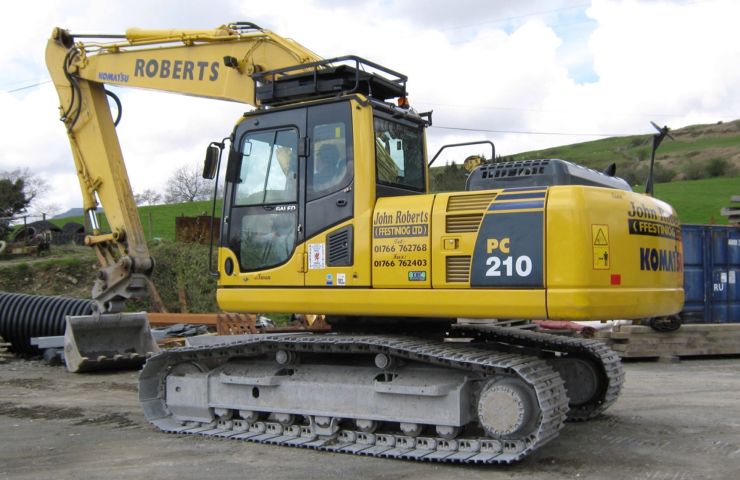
(450,178)
(147,197)
(12,202)
(187,185)
(33,185)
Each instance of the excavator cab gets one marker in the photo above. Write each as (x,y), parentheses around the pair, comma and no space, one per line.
(290,175)
(297,199)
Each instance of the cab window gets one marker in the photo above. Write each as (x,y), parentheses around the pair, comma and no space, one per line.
(269,168)
(399,156)
(265,199)
(329,170)
(266,239)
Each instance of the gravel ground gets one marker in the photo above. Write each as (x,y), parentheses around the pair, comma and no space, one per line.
(673,422)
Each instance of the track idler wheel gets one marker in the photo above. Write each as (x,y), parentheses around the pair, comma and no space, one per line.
(585,383)
(507,408)
(582,380)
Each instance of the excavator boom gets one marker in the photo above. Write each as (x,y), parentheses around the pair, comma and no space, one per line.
(214,63)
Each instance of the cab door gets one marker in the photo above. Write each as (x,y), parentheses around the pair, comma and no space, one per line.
(329,200)
(264,212)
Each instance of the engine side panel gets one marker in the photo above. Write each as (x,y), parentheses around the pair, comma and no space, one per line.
(562,252)
(610,253)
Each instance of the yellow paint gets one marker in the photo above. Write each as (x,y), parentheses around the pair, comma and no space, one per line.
(493,244)
(576,289)
(508,303)
(451,243)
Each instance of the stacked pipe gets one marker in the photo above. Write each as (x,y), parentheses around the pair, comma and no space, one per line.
(23,317)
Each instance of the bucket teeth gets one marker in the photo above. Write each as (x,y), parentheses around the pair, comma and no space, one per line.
(108,342)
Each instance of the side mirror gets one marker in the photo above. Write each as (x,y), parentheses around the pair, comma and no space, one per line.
(213,155)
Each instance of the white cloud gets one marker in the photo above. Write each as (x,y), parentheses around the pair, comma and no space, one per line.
(505,66)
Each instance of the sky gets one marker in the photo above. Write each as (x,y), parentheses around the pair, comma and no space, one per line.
(527,75)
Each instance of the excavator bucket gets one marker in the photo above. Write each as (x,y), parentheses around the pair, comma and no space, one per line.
(112,341)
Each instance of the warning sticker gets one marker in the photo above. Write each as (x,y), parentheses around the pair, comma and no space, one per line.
(600,245)
(600,235)
(316,256)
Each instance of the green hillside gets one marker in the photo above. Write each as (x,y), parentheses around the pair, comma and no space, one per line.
(158,220)
(696,172)
(697,151)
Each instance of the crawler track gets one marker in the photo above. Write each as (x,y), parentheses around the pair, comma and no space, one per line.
(606,360)
(548,386)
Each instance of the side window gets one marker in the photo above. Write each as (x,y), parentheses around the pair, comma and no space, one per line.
(330,169)
(399,158)
(269,168)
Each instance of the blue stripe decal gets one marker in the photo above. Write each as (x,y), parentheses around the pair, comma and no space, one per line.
(521,196)
(524,189)
(517,205)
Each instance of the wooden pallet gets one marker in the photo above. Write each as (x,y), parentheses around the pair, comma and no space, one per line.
(236,323)
(5,354)
(635,341)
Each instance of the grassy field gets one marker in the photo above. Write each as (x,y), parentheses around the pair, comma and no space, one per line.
(699,201)
(158,220)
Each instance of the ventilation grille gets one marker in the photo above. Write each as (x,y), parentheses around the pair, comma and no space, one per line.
(458,269)
(521,168)
(470,202)
(339,248)
(463,223)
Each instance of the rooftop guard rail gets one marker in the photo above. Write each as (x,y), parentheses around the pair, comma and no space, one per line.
(330,77)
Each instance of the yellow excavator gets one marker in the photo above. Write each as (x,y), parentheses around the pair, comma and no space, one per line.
(327,208)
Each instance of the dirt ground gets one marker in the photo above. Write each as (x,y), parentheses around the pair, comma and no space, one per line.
(673,422)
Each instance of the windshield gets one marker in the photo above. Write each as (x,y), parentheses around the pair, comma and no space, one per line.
(269,168)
